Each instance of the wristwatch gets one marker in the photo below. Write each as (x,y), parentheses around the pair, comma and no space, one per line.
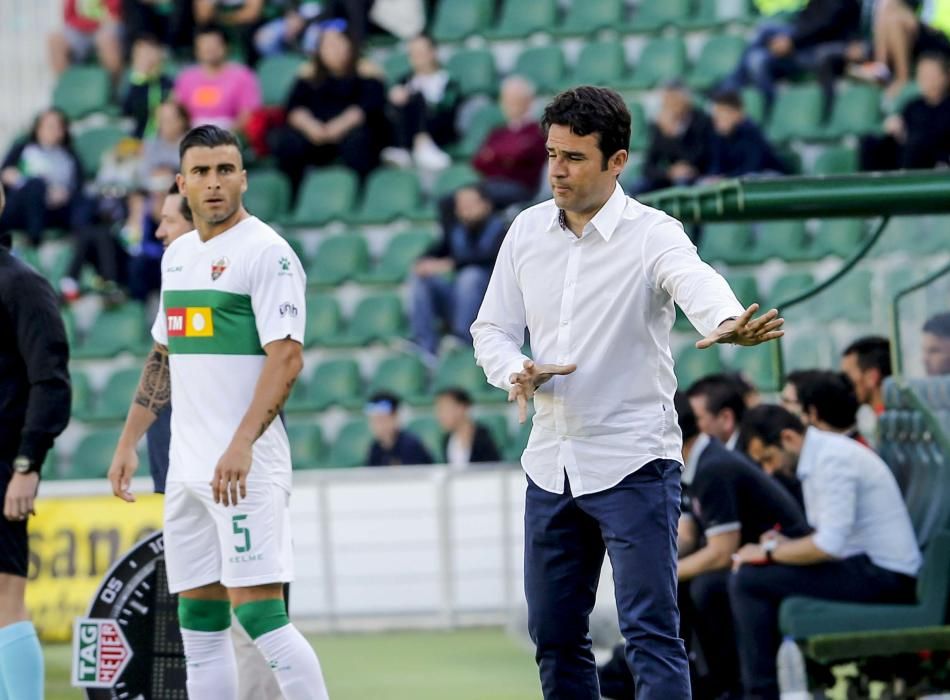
(768,547)
(24,465)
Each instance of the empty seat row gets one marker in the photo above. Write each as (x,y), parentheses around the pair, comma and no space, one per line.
(744,244)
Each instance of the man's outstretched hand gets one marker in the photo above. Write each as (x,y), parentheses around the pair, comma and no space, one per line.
(525,382)
(746,330)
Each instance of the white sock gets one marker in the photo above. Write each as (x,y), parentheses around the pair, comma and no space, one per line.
(294,663)
(209,661)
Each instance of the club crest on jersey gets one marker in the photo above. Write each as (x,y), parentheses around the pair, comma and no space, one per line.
(218,267)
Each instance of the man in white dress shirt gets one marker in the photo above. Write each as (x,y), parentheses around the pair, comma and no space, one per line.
(592,275)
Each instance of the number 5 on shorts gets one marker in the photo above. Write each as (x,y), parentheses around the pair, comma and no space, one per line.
(238,530)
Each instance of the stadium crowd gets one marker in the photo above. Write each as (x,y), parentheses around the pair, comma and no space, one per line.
(768,464)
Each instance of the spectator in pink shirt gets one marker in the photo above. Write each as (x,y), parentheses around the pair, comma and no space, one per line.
(217,91)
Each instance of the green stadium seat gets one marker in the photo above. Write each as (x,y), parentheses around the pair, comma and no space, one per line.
(838,160)
(788,286)
(81,90)
(856,111)
(81,395)
(297,246)
(847,299)
(112,403)
(51,465)
(453,177)
(114,331)
(521,18)
(757,364)
(661,60)
(639,128)
(402,375)
(691,364)
(276,75)
(376,318)
(745,288)
(351,446)
(268,195)
(396,67)
(336,383)
(840,237)
(325,195)
(93,454)
(339,258)
(712,14)
(397,260)
(458,369)
(543,66)
(324,320)
(785,240)
(497,425)
(428,430)
(455,20)
(92,144)
(599,63)
(753,103)
(653,16)
(729,243)
(584,17)
(805,352)
(307,448)
(474,71)
(485,120)
(519,442)
(716,60)
(390,193)
(796,113)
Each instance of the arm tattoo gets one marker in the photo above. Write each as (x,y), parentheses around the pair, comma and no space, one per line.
(155,387)
(272,413)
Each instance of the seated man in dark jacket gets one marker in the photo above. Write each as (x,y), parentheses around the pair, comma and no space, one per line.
(918,137)
(467,251)
(392,446)
(679,143)
(466,440)
(737,146)
(729,502)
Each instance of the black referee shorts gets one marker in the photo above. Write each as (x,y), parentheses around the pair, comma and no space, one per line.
(13,538)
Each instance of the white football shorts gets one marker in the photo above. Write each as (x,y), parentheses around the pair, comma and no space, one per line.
(244,545)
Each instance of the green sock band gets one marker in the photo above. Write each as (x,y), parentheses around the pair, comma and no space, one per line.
(262,616)
(204,615)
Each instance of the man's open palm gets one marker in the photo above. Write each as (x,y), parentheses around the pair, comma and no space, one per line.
(746,330)
(525,382)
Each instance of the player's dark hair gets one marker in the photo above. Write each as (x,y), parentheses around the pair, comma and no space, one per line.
(685,416)
(208,136)
(871,352)
(592,110)
(456,394)
(212,28)
(938,325)
(766,422)
(728,98)
(832,396)
(385,396)
(799,376)
(183,207)
(721,391)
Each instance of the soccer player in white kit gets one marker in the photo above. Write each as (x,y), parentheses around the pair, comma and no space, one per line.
(228,339)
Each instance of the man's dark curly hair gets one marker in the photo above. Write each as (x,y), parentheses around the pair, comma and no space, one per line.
(592,110)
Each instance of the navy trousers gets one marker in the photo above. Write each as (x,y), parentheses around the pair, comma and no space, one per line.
(565,541)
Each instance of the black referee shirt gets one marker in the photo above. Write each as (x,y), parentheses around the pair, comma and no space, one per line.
(729,492)
(35,394)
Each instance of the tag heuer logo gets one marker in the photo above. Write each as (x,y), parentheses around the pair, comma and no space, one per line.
(100,653)
(218,267)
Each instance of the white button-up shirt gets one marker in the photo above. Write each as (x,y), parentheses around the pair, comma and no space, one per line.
(854,504)
(605,302)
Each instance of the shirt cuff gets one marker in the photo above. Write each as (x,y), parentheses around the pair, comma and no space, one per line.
(829,542)
(515,366)
(722,529)
(35,446)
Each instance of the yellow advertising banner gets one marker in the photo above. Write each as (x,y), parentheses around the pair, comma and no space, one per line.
(73,542)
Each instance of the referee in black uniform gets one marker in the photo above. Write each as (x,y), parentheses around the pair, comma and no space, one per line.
(34,408)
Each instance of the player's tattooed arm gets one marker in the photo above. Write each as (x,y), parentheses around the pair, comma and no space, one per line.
(155,386)
(273,412)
